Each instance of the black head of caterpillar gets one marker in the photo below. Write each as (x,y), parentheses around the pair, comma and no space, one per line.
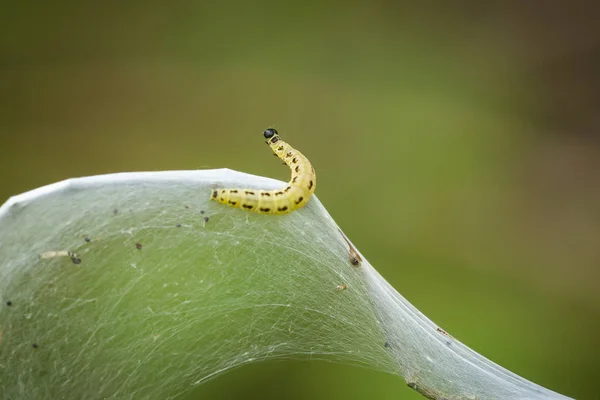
(271,135)
(295,195)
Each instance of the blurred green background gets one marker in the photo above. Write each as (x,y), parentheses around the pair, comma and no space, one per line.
(456,145)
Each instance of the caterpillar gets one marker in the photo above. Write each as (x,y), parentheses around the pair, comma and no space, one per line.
(294,196)
(61,253)
(353,256)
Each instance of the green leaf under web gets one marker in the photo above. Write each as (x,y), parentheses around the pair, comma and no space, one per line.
(174,289)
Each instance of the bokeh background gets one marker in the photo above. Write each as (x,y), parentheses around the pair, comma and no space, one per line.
(457,145)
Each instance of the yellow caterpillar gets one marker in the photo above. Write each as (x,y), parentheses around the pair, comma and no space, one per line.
(295,195)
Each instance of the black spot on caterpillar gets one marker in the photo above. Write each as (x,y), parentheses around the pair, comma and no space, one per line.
(296,194)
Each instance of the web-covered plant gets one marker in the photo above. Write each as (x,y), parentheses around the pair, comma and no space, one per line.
(143,264)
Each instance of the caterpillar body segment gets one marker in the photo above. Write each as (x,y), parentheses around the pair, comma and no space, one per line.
(282,201)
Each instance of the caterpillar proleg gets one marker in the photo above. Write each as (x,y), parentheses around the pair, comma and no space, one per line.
(295,195)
